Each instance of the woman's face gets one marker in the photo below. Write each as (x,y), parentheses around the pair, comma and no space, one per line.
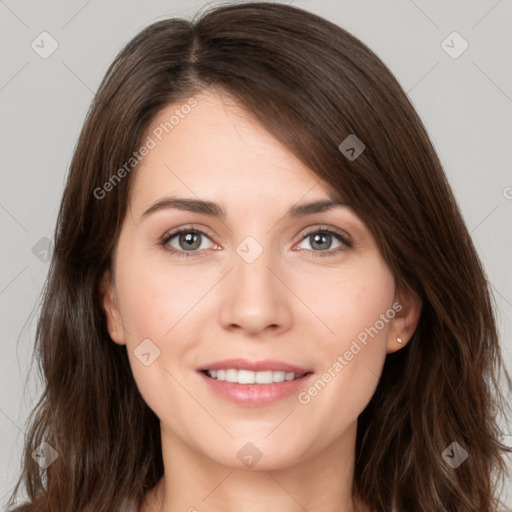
(271,289)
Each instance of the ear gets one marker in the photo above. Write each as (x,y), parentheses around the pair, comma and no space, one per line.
(407,307)
(111,309)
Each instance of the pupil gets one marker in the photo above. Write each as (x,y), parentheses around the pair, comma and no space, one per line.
(189,239)
(318,240)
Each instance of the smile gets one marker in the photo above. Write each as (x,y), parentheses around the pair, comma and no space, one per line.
(250,377)
(253,383)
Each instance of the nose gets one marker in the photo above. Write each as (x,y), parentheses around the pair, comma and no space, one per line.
(256,297)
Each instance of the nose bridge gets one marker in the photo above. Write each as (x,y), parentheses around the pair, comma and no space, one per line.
(255,297)
(252,262)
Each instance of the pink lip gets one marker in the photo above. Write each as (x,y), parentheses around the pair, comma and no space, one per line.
(255,395)
(254,366)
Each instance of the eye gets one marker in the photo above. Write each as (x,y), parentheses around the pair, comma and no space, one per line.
(321,241)
(188,240)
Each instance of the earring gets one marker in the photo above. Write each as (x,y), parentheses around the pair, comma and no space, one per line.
(399,340)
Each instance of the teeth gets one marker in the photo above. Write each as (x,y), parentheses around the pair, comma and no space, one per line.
(249,377)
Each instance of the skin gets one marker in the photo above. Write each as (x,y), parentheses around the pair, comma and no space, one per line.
(287,305)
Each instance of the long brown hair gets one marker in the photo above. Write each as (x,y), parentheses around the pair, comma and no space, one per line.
(311,84)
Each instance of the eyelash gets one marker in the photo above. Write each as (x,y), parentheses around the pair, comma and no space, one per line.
(194,254)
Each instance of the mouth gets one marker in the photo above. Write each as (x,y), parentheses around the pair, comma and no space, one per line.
(254,383)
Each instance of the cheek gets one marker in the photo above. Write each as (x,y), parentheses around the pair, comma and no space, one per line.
(155,296)
(354,302)
(158,302)
(358,308)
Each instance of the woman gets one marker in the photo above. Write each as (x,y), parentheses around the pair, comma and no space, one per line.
(262,295)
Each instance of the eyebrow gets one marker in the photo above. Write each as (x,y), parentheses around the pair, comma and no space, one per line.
(215,210)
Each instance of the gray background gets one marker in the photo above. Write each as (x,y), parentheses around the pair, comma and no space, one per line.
(465,103)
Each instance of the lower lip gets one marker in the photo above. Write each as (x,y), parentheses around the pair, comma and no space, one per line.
(255,395)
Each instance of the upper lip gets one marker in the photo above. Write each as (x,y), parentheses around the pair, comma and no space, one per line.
(255,366)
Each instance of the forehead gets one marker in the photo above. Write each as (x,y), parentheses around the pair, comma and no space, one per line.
(216,149)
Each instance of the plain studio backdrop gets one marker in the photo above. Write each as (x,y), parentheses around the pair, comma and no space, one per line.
(451,58)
